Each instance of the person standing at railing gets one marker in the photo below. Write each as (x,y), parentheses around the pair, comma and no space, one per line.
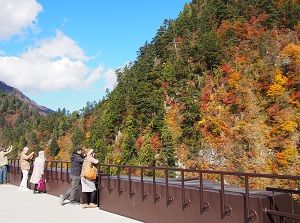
(89,191)
(25,167)
(76,166)
(38,170)
(4,164)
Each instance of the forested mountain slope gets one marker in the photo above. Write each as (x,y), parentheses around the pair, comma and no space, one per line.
(217,88)
(19,95)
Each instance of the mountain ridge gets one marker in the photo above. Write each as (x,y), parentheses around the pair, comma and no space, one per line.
(18,94)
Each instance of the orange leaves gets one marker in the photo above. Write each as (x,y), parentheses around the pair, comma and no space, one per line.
(286,157)
(291,51)
(281,160)
(139,142)
(273,110)
(175,119)
(253,29)
(233,80)
(155,142)
(296,96)
(65,144)
(205,97)
(225,68)
(291,56)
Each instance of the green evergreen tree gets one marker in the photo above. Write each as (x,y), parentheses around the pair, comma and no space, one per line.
(167,152)
(78,137)
(54,148)
(146,153)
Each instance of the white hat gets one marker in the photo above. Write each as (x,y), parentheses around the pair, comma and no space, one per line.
(90,152)
(41,153)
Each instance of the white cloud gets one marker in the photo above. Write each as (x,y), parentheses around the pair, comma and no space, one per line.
(110,79)
(16,16)
(53,64)
(52,48)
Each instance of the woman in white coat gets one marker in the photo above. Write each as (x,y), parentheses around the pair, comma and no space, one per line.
(89,191)
(38,170)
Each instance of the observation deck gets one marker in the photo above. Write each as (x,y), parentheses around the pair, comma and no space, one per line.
(149,194)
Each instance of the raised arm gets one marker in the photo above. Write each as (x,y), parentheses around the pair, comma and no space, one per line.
(8,150)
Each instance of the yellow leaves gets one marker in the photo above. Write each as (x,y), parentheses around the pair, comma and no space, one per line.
(201,122)
(277,88)
(291,51)
(291,57)
(286,157)
(88,135)
(288,126)
(233,80)
(175,119)
(290,154)
(279,78)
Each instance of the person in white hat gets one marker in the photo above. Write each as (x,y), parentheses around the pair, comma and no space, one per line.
(89,191)
(38,170)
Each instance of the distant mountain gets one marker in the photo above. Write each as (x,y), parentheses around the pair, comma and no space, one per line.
(18,94)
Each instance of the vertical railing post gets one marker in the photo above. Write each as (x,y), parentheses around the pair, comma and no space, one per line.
(110,188)
(169,199)
(68,176)
(51,170)
(143,193)
(155,195)
(131,192)
(204,206)
(46,170)
(61,171)
(119,182)
(56,173)
(225,209)
(251,214)
(185,202)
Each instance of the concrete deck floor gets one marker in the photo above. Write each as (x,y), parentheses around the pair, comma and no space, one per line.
(26,207)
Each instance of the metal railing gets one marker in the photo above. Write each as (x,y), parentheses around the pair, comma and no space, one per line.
(57,169)
(226,209)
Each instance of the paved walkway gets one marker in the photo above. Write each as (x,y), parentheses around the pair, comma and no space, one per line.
(26,207)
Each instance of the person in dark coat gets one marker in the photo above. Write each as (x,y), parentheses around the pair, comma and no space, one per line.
(76,166)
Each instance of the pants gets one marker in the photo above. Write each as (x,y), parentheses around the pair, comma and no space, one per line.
(89,197)
(3,174)
(71,192)
(23,183)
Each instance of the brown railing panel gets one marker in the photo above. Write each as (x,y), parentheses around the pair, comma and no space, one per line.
(137,192)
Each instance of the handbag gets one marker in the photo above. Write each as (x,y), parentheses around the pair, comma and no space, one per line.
(41,185)
(90,172)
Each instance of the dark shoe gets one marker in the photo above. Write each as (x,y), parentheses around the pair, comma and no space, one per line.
(61,197)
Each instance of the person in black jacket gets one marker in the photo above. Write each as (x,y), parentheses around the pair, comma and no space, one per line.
(76,166)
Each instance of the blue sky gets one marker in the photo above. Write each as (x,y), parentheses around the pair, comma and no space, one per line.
(63,53)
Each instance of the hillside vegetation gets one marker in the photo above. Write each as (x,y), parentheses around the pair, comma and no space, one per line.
(217,88)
